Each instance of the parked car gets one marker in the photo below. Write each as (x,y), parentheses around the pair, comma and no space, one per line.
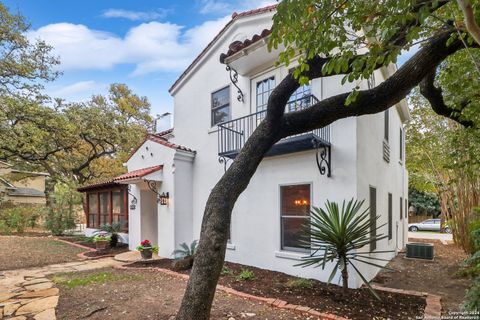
(427,225)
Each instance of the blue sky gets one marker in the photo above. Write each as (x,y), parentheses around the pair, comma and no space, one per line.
(143,43)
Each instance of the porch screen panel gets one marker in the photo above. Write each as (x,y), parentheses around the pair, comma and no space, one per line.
(104,210)
(92,210)
(295,213)
(119,211)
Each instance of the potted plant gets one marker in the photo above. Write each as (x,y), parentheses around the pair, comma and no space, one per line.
(146,249)
(102,241)
(113,230)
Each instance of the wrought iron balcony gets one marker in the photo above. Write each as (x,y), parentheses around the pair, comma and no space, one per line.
(233,134)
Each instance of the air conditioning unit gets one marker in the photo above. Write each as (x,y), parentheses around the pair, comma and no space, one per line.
(420,250)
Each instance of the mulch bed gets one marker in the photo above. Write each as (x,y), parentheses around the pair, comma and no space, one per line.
(328,298)
(108,252)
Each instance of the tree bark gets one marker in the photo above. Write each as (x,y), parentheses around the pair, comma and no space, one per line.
(209,259)
(345,279)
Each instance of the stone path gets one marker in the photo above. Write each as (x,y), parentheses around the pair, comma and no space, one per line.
(28,294)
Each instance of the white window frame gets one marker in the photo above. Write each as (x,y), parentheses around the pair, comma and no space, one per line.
(281,246)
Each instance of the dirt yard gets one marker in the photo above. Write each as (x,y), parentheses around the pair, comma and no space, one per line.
(356,304)
(436,277)
(24,252)
(140,294)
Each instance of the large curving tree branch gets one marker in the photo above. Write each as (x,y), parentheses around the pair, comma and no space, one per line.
(380,98)
(434,95)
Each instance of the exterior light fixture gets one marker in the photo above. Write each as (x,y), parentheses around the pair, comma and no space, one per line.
(164,198)
(301,202)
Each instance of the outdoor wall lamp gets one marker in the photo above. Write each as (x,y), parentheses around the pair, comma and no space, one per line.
(164,198)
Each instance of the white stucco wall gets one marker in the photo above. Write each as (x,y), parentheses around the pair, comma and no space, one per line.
(255,233)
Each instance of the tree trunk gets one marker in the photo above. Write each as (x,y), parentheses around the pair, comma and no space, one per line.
(209,260)
(345,279)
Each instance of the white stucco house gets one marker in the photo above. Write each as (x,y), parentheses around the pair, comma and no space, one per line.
(216,108)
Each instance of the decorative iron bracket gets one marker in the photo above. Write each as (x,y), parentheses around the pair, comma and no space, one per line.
(224,160)
(133,203)
(323,157)
(234,78)
(152,185)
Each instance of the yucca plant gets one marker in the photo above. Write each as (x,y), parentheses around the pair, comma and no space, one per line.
(186,251)
(338,235)
(113,230)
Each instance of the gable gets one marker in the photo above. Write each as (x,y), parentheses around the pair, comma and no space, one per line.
(224,37)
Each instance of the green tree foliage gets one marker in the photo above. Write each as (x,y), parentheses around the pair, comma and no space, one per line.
(22,63)
(78,141)
(60,215)
(444,158)
(425,203)
(72,142)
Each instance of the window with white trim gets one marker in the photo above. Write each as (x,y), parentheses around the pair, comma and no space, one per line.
(295,213)
(220,106)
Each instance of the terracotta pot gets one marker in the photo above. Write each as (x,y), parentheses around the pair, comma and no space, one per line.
(146,253)
(102,244)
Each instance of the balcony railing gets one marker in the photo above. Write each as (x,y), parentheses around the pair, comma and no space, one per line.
(233,134)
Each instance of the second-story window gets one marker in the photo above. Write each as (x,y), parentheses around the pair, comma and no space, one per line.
(220,106)
(263,91)
(300,99)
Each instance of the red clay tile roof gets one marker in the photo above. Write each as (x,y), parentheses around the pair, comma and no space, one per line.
(164,133)
(237,46)
(204,51)
(158,138)
(138,173)
(165,142)
(99,184)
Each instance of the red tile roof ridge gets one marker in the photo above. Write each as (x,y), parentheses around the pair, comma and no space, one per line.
(138,173)
(237,46)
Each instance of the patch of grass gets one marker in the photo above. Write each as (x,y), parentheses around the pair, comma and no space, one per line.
(226,271)
(94,278)
(246,275)
(301,283)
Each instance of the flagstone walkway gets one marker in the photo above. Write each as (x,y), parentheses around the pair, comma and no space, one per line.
(27,293)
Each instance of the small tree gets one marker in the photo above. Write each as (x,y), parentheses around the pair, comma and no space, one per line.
(336,234)
(60,215)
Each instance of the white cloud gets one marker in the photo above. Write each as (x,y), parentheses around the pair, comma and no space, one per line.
(152,46)
(214,7)
(136,15)
(78,91)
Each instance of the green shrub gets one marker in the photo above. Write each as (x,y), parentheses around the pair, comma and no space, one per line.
(58,220)
(186,251)
(472,298)
(60,215)
(18,217)
(246,275)
(226,271)
(4,228)
(301,283)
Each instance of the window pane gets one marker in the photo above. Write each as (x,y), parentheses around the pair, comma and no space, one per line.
(221,114)
(263,91)
(92,203)
(104,212)
(221,106)
(92,221)
(117,202)
(295,200)
(221,97)
(292,229)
